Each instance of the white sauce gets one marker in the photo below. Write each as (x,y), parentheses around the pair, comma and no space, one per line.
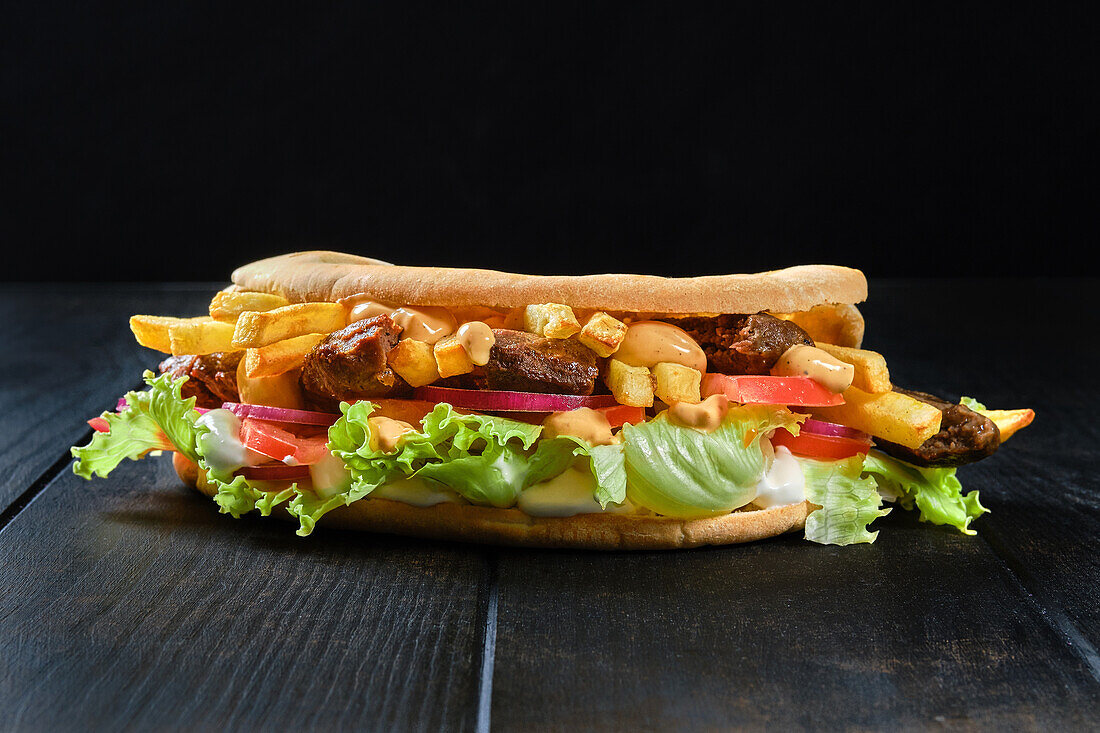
(568,494)
(417,492)
(783,483)
(222,447)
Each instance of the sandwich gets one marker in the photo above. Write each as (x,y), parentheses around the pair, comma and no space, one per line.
(598,411)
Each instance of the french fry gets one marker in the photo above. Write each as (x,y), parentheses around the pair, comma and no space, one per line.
(891,416)
(451,358)
(677,383)
(255,329)
(631,385)
(603,334)
(414,361)
(836,323)
(872,375)
(1009,422)
(281,356)
(551,320)
(152,331)
(227,305)
(202,337)
(281,390)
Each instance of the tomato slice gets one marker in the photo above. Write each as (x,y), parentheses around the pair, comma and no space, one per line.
(274,442)
(100,424)
(620,415)
(813,445)
(756,389)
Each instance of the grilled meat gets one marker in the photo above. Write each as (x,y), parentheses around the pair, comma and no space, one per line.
(523,362)
(212,378)
(742,344)
(965,436)
(350,364)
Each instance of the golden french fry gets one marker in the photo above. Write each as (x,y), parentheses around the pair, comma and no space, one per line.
(835,323)
(631,385)
(281,390)
(227,305)
(451,358)
(603,334)
(872,375)
(290,321)
(677,383)
(552,320)
(1008,422)
(152,331)
(414,361)
(891,416)
(281,356)
(202,337)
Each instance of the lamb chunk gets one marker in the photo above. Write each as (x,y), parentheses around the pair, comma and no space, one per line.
(212,378)
(523,362)
(965,436)
(742,344)
(350,364)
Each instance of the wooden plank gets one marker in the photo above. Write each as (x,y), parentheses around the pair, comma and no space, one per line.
(129,603)
(68,356)
(1032,348)
(923,627)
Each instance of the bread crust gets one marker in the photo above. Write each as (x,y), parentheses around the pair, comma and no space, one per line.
(486,525)
(329,276)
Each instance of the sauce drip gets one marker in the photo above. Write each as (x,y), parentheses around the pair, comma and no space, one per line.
(647,343)
(706,415)
(477,340)
(426,323)
(817,364)
(584,423)
(386,432)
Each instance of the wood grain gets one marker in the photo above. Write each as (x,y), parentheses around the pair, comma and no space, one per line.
(68,355)
(130,603)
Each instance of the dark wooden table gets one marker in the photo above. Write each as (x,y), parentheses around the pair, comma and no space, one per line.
(130,603)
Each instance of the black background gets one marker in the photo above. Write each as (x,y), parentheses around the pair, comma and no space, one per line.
(173,141)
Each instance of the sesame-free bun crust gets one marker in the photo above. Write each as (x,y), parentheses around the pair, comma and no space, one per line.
(467,523)
(329,276)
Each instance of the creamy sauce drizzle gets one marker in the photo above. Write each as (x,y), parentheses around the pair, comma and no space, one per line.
(648,343)
(422,323)
(817,364)
(477,340)
(386,432)
(566,495)
(584,423)
(221,446)
(706,415)
(783,483)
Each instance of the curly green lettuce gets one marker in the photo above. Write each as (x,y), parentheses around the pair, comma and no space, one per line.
(157,419)
(848,501)
(936,492)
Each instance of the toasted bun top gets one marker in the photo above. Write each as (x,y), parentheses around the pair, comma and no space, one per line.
(329,276)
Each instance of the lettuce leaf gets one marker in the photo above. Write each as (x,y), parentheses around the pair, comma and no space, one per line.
(482,457)
(684,473)
(607,463)
(972,403)
(848,501)
(156,419)
(936,492)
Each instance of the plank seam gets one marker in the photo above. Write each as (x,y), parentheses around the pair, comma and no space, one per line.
(1054,617)
(488,649)
(53,471)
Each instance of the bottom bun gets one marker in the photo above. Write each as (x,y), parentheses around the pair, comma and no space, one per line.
(468,523)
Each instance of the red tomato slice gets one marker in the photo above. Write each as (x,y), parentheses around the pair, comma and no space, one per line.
(755,389)
(274,442)
(820,446)
(100,424)
(620,415)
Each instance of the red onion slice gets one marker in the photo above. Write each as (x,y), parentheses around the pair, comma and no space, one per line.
(501,401)
(275,472)
(820,427)
(281,414)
